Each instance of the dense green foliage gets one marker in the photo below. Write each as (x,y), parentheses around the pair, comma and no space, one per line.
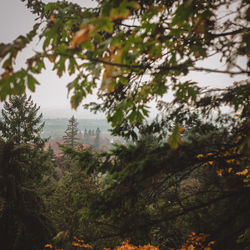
(23,164)
(153,193)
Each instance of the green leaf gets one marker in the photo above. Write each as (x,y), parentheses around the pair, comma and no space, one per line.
(117,117)
(31,82)
(60,66)
(182,14)
(76,99)
(174,139)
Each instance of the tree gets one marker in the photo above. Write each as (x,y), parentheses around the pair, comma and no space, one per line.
(23,222)
(21,122)
(134,52)
(86,137)
(23,164)
(97,138)
(137,49)
(151,192)
(70,138)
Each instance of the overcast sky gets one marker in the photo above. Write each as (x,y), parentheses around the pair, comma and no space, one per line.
(51,95)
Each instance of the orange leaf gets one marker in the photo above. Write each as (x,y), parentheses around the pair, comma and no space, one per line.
(200,156)
(48,245)
(220,172)
(244,172)
(181,129)
(81,36)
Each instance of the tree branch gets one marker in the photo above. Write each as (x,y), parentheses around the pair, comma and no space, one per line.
(234,32)
(220,71)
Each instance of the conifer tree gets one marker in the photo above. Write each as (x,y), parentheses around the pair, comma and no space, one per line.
(86,137)
(70,138)
(23,163)
(20,121)
(97,139)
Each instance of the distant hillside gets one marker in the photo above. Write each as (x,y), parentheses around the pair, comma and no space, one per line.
(56,127)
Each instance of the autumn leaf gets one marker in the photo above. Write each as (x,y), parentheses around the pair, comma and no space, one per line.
(200,156)
(7,72)
(81,36)
(52,18)
(190,247)
(181,129)
(52,58)
(244,172)
(119,14)
(219,172)
(200,27)
(174,139)
(48,246)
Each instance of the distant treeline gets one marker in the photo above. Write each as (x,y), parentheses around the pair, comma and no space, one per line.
(56,127)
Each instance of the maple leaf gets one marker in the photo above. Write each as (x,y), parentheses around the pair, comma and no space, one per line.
(81,36)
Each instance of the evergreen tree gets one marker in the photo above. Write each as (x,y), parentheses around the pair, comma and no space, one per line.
(97,139)
(23,221)
(23,163)
(70,138)
(20,121)
(86,137)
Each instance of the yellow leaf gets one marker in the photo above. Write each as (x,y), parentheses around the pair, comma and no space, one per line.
(200,156)
(244,172)
(52,18)
(220,172)
(181,129)
(52,58)
(190,247)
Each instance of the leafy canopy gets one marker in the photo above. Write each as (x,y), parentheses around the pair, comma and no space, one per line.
(132,51)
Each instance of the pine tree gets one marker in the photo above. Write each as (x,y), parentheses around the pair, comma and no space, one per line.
(97,139)
(70,138)
(20,121)
(23,163)
(86,137)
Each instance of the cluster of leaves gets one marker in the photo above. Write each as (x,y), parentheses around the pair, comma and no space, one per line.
(136,49)
(124,246)
(195,241)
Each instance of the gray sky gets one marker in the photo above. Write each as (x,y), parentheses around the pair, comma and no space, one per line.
(51,95)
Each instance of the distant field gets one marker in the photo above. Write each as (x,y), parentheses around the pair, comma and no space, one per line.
(56,127)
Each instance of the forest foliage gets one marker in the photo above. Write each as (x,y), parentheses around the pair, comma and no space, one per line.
(182,182)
